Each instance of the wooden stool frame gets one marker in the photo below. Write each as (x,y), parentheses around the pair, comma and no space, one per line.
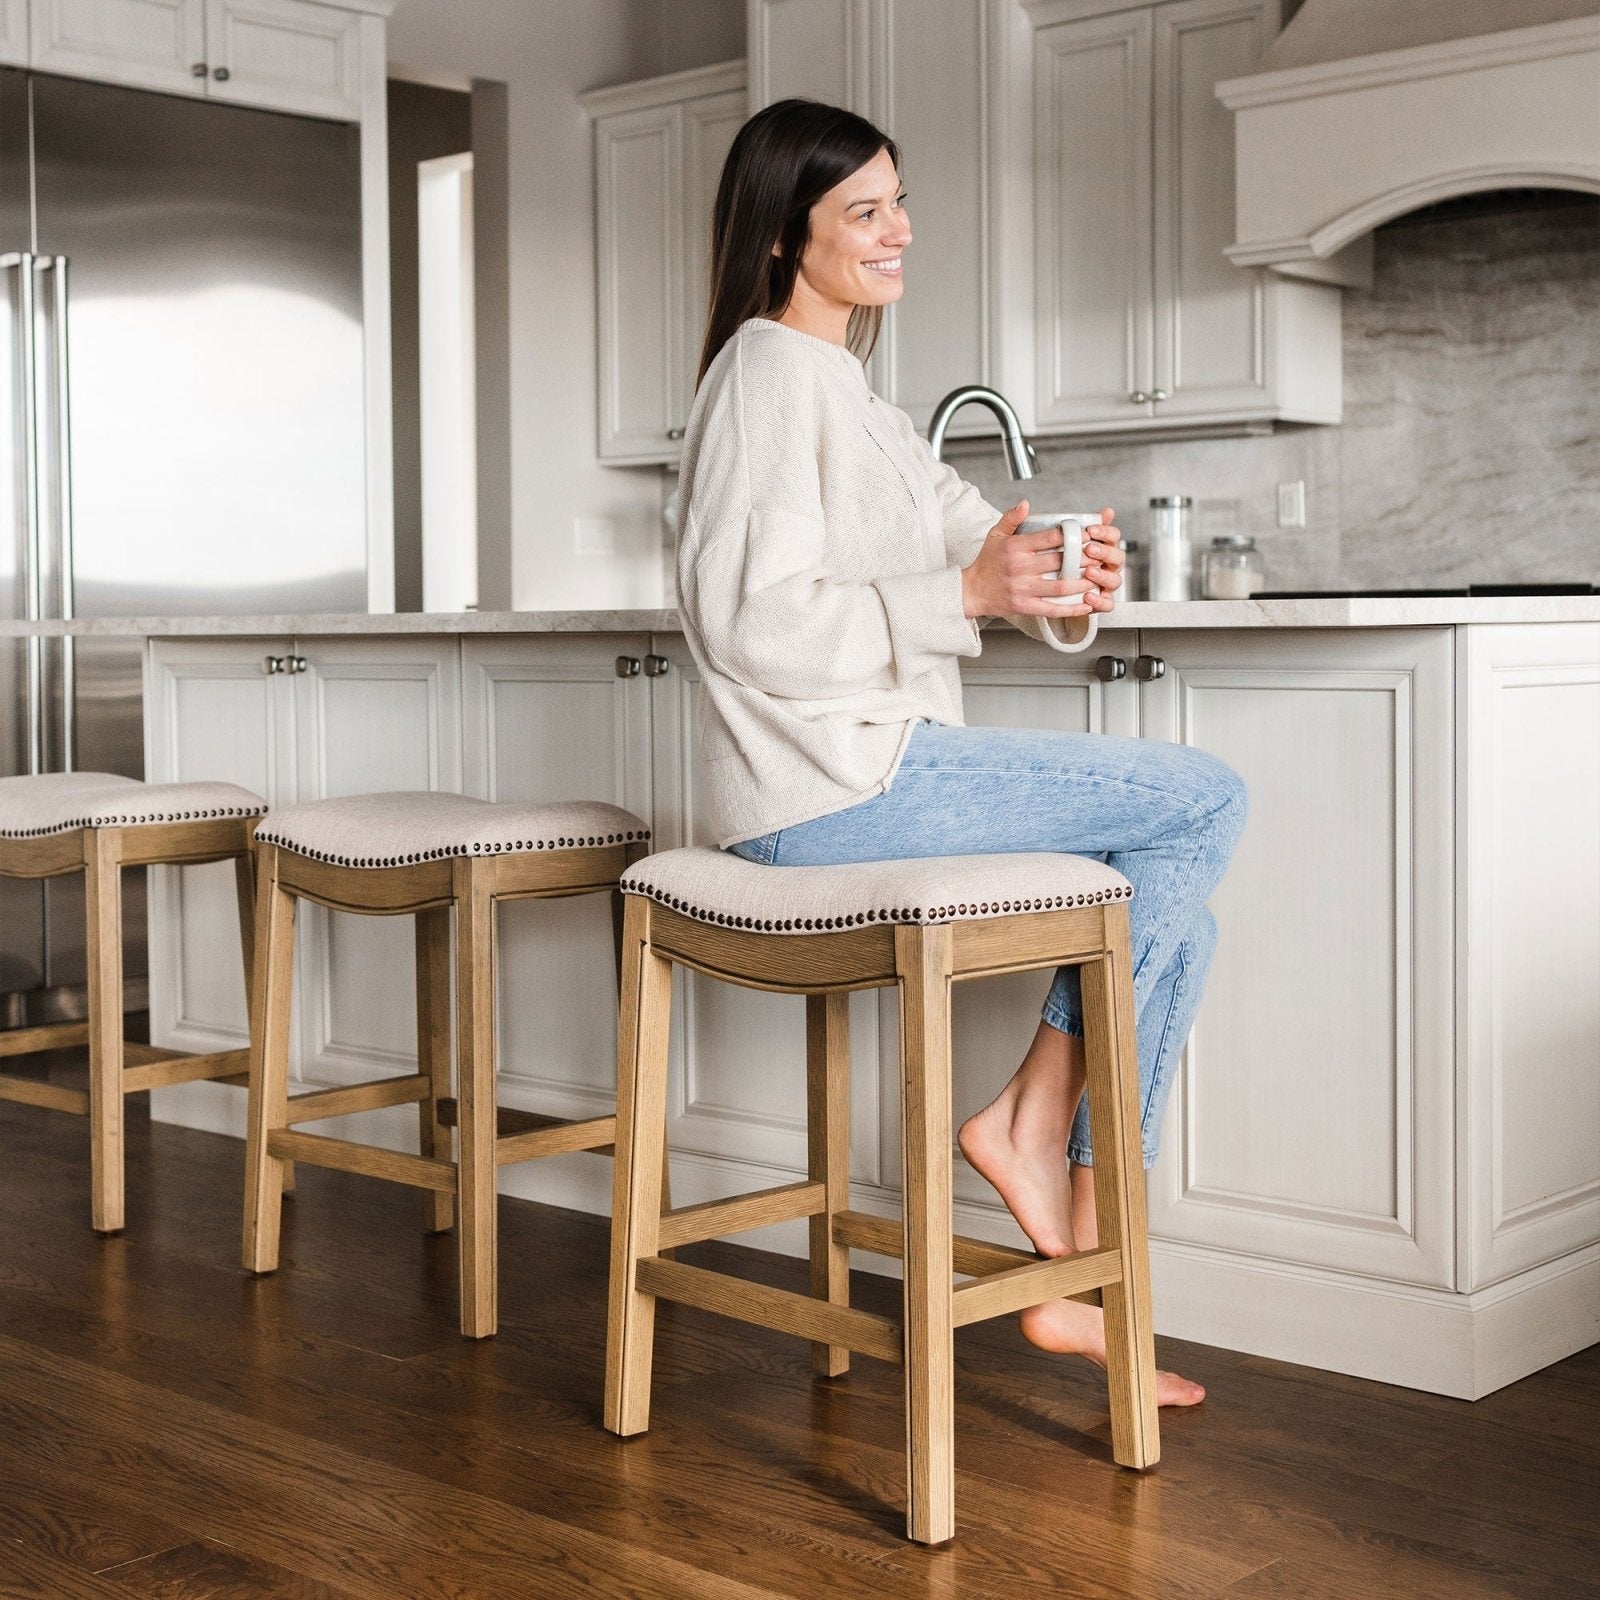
(490,1138)
(922,961)
(118,1066)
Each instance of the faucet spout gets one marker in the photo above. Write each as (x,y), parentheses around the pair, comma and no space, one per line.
(1019,453)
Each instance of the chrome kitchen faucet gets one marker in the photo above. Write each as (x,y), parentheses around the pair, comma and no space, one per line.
(1019,453)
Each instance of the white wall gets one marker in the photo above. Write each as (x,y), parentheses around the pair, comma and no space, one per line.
(547,52)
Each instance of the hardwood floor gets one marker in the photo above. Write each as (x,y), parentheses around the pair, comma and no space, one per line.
(172,1428)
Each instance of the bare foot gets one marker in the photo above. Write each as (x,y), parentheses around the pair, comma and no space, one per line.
(1070,1328)
(1032,1182)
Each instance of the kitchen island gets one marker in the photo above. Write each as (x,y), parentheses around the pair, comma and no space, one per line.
(1381,1154)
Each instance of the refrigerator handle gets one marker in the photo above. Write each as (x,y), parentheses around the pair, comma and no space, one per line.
(22,262)
(61,455)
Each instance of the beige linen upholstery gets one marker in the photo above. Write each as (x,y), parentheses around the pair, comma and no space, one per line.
(713,886)
(62,802)
(398,830)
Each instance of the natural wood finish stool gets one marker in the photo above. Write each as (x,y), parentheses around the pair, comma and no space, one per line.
(822,932)
(421,855)
(97,823)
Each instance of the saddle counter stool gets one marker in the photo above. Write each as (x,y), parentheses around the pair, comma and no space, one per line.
(822,932)
(97,823)
(419,854)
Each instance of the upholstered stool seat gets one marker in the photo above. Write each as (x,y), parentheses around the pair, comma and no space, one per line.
(823,932)
(97,823)
(424,855)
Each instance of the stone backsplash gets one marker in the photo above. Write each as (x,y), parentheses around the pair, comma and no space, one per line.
(1470,447)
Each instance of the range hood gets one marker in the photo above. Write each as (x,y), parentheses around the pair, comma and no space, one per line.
(1366,109)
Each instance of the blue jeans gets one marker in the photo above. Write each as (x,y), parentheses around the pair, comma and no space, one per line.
(1165,816)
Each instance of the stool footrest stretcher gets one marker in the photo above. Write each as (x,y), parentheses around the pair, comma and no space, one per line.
(373,1096)
(713,1218)
(345,1155)
(979,1259)
(525,1135)
(779,1309)
(49,1096)
(171,1069)
(52,1036)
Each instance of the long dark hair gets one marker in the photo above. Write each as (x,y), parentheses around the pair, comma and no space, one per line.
(783,160)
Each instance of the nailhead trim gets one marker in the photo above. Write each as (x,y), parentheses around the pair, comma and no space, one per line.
(449,852)
(72,824)
(916,914)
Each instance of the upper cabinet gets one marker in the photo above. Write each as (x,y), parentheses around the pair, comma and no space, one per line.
(1070,179)
(287,55)
(659,149)
(911,67)
(13,33)
(1138,318)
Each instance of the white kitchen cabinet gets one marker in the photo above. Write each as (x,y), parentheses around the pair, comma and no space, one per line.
(912,68)
(1311,1117)
(288,55)
(14,33)
(1120,309)
(148,44)
(737,1091)
(292,55)
(294,720)
(546,719)
(1529,942)
(659,149)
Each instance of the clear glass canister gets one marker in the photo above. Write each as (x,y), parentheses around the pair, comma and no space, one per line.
(1232,569)
(1171,548)
(1136,571)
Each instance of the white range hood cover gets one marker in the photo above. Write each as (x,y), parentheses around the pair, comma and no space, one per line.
(1366,109)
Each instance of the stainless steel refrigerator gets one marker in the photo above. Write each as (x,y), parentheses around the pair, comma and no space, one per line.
(181,421)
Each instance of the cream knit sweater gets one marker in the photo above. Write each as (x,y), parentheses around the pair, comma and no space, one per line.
(819,578)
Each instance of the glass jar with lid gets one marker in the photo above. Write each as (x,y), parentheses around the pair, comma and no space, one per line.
(1232,569)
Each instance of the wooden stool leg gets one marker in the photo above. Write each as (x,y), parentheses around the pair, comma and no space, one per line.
(617,897)
(433,1053)
(475,1167)
(828,1143)
(923,956)
(636,1182)
(102,872)
(273,990)
(244,885)
(1111,1056)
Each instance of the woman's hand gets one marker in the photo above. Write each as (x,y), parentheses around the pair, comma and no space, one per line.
(1014,573)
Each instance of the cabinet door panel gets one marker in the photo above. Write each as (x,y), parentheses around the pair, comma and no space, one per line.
(709,125)
(1530,946)
(934,338)
(1092,262)
(639,199)
(373,716)
(14,33)
(827,50)
(1016,683)
(1210,325)
(549,719)
(738,1086)
(150,44)
(286,54)
(1311,1117)
(212,714)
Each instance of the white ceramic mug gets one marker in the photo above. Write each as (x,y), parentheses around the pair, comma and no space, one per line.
(1072,525)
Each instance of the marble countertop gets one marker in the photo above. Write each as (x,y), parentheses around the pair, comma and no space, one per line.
(1334,612)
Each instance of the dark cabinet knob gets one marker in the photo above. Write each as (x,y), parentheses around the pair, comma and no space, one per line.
(627,666)
(198,70)
(656,666)
(1109,668)
(1148,667)
(221,74)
